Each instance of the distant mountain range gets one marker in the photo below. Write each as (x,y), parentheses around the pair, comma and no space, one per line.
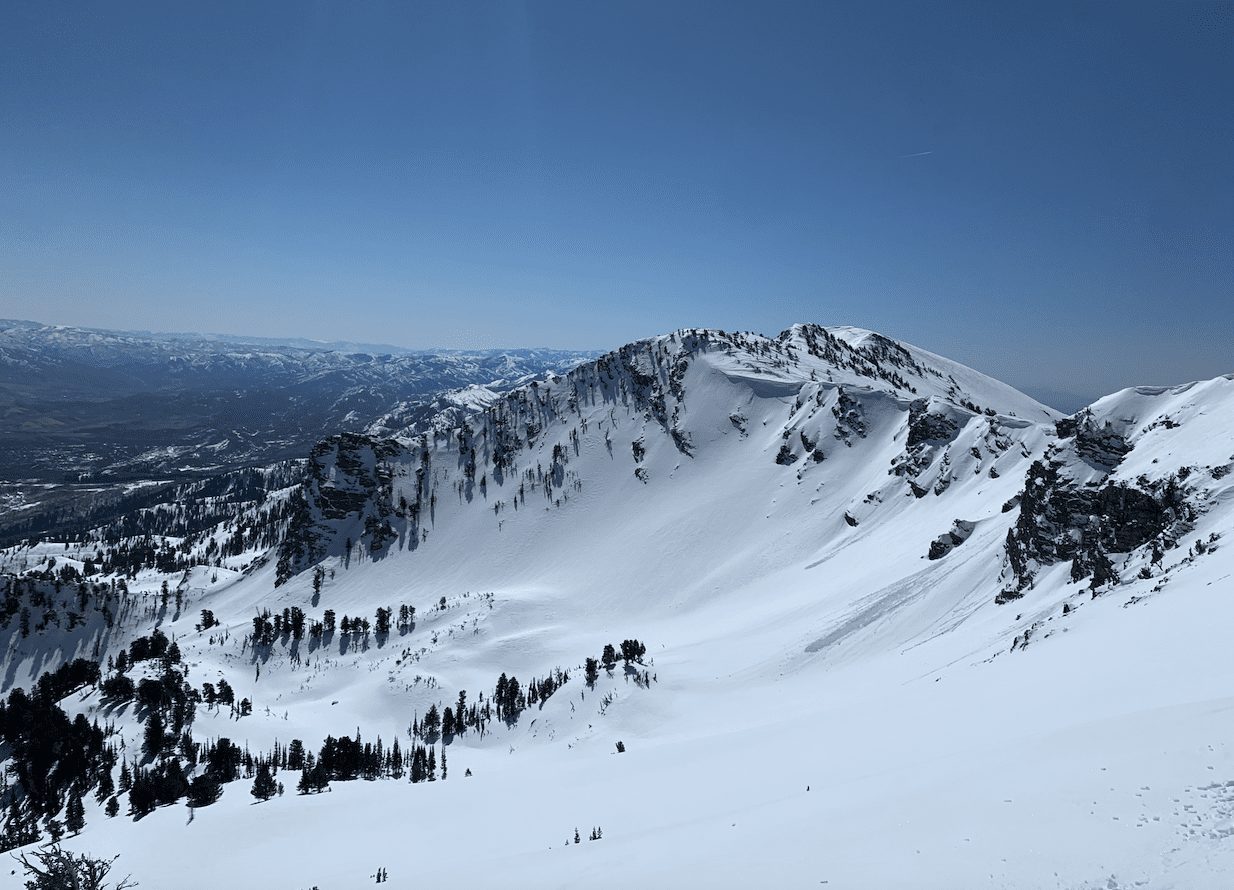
(79,404)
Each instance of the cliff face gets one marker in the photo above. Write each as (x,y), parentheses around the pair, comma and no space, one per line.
(1127,478)
(348,494)
(687,391)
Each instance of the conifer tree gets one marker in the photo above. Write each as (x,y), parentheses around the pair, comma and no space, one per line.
(295,754)
(460,710)
(431,724)
(19,829)
(264,786)
(107,786)
(396,761)
(204,790)
(75,813)
(155,731)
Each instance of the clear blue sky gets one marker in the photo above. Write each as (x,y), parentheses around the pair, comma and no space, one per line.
(1043,191)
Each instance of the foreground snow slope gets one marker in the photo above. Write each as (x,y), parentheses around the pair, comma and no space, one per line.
(809,533)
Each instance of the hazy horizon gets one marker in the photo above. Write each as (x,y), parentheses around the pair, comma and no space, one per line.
(1067,400)
(1041,197)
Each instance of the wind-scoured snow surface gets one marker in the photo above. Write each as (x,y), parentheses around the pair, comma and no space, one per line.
(809,532)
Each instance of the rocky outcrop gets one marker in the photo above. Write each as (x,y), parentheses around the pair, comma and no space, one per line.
(932,427)
(878,358)
(1098,444)
(925,426)
(785,457)
(850,418)
(960,532)
(1061,519)
(350,480)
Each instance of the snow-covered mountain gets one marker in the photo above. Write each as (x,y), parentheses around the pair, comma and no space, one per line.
(886,621)
(90,414)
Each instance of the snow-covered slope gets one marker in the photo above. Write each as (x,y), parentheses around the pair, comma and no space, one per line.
(891,637)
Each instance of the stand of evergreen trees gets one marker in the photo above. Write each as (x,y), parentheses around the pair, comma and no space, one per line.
(125,526)
(59,597)
(54,761)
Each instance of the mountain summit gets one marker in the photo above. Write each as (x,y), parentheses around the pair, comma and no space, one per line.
(734,603)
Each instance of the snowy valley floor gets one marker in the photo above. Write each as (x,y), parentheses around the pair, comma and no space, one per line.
(925,767)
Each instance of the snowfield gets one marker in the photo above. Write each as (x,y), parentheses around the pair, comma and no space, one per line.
(809,533)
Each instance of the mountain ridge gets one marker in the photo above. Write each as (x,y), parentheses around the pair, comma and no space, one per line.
(813,536)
